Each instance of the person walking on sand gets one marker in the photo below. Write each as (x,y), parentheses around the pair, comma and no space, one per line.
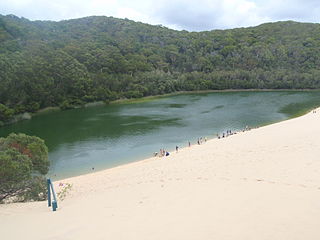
(177,148)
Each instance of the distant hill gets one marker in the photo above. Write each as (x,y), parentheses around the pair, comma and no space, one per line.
(66,63)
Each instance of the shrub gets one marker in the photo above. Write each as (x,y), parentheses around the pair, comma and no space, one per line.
(23,164)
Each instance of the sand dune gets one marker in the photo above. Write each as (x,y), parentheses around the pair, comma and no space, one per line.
(259,184)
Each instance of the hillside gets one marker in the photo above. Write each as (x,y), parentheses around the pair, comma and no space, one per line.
(67,63)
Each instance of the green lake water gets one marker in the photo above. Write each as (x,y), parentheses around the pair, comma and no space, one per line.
(107,136)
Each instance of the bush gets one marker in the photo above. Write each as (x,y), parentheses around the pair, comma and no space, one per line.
(66,105)
(64,191)
(23,164)
(6,113)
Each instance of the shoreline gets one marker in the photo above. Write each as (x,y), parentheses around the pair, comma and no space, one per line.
(184,148)
(193,143)
(171,151)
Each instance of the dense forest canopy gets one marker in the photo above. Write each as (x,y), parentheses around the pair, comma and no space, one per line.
(68,63)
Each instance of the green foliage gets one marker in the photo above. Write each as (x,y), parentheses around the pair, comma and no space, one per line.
(66,105)
(23,162)
(5,113)
(68,63)
(64,191)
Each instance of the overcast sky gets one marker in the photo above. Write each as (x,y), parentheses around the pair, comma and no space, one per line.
(191,15)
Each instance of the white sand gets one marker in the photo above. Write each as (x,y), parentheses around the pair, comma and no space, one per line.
(260,184)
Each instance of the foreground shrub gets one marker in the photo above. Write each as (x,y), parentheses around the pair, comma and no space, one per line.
(23,164)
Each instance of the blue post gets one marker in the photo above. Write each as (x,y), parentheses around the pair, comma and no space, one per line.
(49,192)
(54,201)
(54,205)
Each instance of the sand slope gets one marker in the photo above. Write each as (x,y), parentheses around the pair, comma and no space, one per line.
(260,184)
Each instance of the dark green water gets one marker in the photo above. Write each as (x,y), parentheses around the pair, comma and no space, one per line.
(107,136)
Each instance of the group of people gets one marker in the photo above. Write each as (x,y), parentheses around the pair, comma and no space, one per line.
(200,140)
(162,153)
(227,134)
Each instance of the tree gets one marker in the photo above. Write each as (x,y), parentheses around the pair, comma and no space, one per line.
(23,164)
(5,114)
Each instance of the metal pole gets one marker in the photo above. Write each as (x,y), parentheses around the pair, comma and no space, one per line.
(54,202)
(49,192)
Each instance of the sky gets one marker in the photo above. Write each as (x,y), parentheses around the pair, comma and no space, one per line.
(190,15)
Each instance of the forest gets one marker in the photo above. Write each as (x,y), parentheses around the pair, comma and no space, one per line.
(69,63)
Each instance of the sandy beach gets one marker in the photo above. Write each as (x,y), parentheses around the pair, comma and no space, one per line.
(259,184)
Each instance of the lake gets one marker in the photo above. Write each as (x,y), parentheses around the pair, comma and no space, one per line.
(107,136)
